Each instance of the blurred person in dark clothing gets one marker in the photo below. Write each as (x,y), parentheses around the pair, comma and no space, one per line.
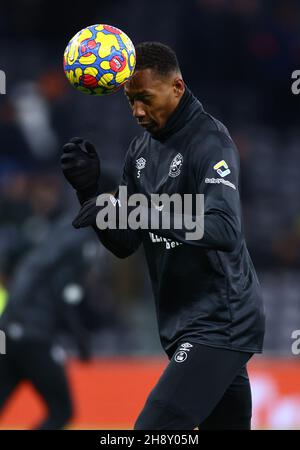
(44,294)
(29,203)
(48,296)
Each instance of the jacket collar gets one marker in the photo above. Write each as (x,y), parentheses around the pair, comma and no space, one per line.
(186,107)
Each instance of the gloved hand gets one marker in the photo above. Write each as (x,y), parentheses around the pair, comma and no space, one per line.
(87,214)
(80,164)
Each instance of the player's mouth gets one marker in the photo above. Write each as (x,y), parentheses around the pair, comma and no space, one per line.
(147,125)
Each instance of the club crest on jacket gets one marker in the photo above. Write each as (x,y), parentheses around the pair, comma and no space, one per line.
(175,166)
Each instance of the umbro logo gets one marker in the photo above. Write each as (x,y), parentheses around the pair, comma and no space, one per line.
(186,345)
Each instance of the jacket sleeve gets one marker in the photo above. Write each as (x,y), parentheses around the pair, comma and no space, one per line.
(215,169)
(122,242)
(218,179)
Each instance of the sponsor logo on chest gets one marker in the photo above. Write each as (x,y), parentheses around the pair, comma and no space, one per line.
(168,242)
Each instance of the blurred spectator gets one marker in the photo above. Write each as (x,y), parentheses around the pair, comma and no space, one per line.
(48,300)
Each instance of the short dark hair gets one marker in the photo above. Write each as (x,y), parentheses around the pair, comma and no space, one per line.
(156,56)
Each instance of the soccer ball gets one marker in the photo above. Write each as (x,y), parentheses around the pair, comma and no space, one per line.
(99,59)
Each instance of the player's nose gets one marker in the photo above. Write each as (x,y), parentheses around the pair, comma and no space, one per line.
(138,110)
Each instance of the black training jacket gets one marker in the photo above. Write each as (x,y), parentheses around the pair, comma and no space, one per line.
(205,290)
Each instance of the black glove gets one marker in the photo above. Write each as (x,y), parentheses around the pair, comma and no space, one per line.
(81,167)
(87,214)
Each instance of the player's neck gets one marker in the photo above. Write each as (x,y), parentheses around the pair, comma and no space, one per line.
(177,118)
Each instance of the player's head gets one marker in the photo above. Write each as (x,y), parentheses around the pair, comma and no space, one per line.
(156,86)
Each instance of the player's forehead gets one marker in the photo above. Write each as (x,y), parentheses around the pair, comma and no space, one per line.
(143,82)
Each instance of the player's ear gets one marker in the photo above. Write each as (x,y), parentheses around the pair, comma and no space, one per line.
(178,86)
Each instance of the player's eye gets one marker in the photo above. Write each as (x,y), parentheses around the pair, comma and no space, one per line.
(146,99)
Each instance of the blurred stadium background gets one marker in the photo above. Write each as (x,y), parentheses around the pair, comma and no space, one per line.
(237,56)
